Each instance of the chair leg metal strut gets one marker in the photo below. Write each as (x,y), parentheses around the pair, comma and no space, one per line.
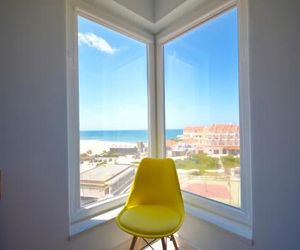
(164,244)
(172,238)
(148,244)
(133,242)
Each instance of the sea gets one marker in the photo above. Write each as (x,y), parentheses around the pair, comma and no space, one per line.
(125,135)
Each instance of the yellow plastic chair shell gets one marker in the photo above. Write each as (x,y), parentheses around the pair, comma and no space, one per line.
(154,208)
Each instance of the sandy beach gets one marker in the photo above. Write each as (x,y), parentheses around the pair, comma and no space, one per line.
(97,147)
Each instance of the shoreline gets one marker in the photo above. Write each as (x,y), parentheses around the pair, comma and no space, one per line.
(98,146)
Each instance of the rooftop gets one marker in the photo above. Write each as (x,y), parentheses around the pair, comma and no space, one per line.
(103,173)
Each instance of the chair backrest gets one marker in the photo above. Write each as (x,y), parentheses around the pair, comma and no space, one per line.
(156,182)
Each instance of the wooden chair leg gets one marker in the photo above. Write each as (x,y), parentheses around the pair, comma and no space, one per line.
(164,244)
(133,242)
(174,242)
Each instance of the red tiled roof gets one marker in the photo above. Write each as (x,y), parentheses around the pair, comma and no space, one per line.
(232,147)
(209,190)
(170,143)
(190,141)
(214,128)
(194,129)
(224,128)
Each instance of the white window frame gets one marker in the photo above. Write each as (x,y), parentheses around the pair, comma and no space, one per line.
(236,220)
(80,8)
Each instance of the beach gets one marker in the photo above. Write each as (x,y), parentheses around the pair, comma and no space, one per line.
(98,147)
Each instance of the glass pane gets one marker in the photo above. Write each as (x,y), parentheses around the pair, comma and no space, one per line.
(202,109)
(112,110)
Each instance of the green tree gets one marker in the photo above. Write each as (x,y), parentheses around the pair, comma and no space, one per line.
(201,162)
(230,161)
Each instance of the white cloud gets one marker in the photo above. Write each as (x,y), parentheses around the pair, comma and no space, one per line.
(96,42)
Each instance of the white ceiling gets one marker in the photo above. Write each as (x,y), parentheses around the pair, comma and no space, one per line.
(152,15)
(152,10)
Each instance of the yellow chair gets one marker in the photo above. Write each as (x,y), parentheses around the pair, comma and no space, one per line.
(154,208)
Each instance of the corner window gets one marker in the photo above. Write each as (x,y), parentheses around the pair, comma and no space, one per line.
(113,111)
(182,93)
(202,109)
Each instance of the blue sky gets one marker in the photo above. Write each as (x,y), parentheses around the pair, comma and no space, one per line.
(201,77)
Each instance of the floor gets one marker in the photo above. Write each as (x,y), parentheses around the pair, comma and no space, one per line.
(182,244)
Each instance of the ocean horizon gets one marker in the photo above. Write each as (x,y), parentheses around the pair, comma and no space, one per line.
(124,135)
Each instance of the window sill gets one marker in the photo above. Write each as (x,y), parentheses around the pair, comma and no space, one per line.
(82,226)
(229,219)
(237,228)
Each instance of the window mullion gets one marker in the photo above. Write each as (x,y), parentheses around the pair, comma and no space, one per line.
(160,110)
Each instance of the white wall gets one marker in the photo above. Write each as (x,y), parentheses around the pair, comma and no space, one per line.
(34,209)
(275,80)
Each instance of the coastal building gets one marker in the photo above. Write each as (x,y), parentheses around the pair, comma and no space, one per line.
(215,134)
(122,150)
(104,182)
(141,147)
(178,152)
(215,139)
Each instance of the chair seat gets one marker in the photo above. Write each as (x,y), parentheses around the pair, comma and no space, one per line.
(150,221)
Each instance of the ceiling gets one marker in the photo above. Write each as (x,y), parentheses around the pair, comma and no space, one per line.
(152,10)
(152,15)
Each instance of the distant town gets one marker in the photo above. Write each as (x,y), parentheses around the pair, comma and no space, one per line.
(216,139)
(207,160)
